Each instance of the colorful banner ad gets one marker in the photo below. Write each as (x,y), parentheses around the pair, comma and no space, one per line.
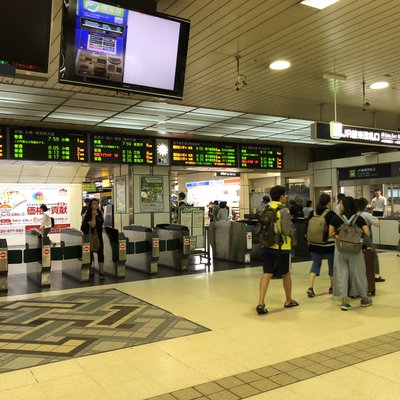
(20,207)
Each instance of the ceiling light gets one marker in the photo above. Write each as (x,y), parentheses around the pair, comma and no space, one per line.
(279,65)
(319,4)
(379,85)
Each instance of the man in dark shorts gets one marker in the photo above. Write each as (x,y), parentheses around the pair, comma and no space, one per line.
(277,256)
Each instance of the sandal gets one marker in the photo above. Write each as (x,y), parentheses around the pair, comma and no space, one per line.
(261,309)
(293,303)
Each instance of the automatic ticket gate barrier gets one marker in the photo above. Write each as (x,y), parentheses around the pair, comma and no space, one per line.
(114,252)
(174,246)
(143,248)
(3,265)
(231,240)
(75,254)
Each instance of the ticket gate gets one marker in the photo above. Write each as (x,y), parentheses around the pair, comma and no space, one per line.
(143,248)
(3,265)
(114,252)
(76,254)
(256,252)
(37,256)
(175,246)
(231,240)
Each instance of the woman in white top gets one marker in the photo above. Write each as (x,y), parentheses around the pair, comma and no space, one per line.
(223,213)
(46,221)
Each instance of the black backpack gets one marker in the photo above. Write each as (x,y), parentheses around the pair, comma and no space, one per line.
(267,228)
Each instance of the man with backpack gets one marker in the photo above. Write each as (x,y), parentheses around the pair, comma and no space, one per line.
(274,234)
(320,245)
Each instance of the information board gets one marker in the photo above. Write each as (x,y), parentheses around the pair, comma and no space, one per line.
(3,144)
(121,149)
(202,154)
(260,157)
(43,145)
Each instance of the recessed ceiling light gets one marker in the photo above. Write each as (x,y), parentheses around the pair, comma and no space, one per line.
(319,4)
(379,85)
(279,64)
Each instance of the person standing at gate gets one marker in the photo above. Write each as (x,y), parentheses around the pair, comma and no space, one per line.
(46,221)
(92,225)
(378,204)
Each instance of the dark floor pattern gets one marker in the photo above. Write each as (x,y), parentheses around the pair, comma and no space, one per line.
(270,377)
(48,329)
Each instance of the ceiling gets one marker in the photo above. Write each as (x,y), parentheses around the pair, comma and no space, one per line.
(358,38)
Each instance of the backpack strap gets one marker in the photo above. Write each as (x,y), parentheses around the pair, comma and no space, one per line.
(325,213)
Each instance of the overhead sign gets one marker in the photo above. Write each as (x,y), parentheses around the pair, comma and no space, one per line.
(355,134)
(227,173)
(252,156)
(3,153)
(41,145)
(370,171)
(201,154)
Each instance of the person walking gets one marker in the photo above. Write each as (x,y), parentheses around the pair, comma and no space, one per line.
(320,244)
(277,255)
(92,225)
(307,210)
(349,266)
(223,212)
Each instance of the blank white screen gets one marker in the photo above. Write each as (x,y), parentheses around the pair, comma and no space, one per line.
(151,51)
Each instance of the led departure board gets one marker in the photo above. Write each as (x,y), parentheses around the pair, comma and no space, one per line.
(261,157)
(201,154)
(41,145)
(122,149)
(3,144)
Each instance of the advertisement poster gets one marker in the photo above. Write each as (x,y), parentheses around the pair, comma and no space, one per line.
(151,194)
(20,207)
(120,195)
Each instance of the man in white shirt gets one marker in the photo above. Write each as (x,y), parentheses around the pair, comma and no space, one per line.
(378,204)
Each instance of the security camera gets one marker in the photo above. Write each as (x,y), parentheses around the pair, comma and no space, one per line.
(367,103)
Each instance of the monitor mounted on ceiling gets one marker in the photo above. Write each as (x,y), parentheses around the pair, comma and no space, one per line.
(25,28)
(107,46)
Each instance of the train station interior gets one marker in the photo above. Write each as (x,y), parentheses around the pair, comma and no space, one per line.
(155,110)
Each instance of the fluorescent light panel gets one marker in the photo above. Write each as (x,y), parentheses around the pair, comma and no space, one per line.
(319,4)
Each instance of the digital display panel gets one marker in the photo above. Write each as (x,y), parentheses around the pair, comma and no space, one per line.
(27,23)
(261,157)
(106,45)
(201,154)
(3,145)
(121,149)
(28,144)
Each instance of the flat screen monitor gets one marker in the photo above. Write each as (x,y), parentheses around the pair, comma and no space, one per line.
(107,46)
(25,31)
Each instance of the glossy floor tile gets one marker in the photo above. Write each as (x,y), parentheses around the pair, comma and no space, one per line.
(319,350)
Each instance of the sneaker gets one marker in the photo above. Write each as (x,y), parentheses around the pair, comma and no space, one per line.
(330,290)
(379,279)
(310,292)
(345,306)
(261,309)
(365,302)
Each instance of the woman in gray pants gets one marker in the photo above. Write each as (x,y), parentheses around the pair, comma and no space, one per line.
(349,268)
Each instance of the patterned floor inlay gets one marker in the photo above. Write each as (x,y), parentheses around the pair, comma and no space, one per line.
(43,330)
(270,377)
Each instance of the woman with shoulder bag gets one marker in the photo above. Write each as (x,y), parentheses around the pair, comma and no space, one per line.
(92,225)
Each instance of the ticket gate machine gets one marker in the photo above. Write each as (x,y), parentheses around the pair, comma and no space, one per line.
(176,252)
(37,256)
(143,248)
(114,252)
(76,249)
(3,265)
(231,240)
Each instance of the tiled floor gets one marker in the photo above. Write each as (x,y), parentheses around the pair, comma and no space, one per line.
(306,352)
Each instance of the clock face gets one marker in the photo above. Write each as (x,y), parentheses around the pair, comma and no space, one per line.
(162,149)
